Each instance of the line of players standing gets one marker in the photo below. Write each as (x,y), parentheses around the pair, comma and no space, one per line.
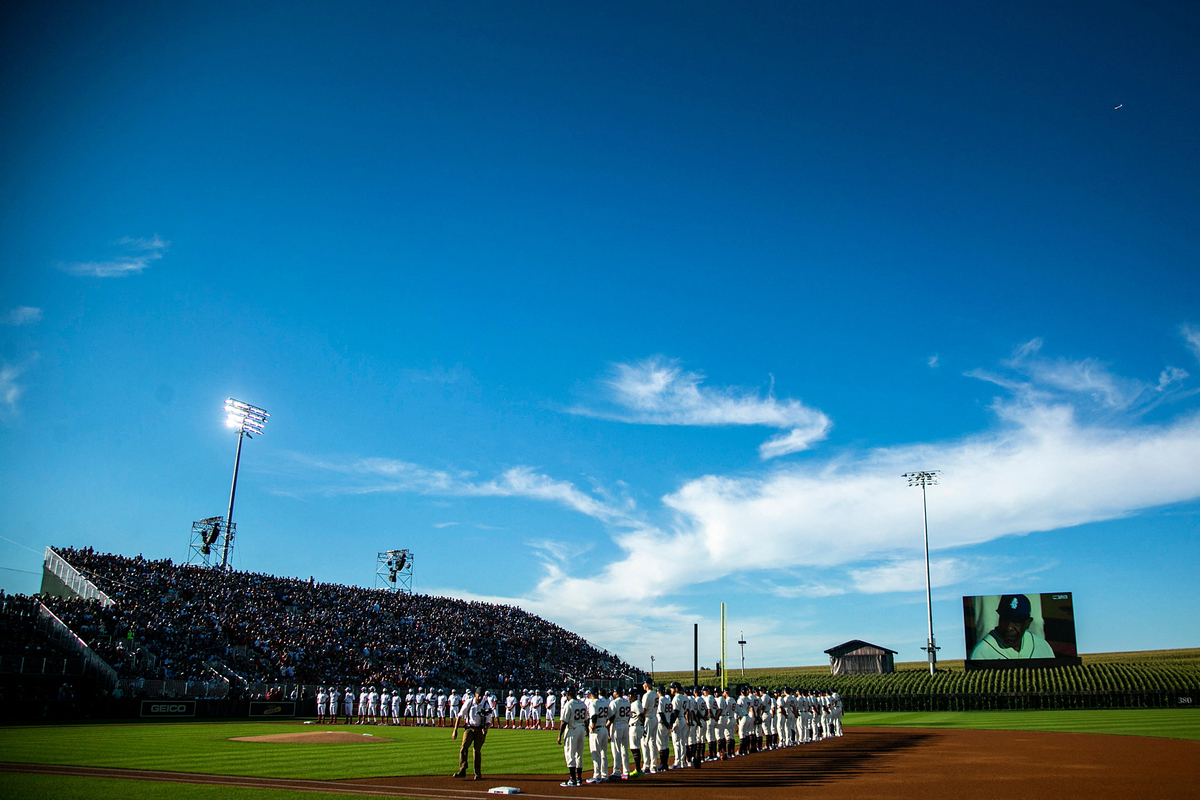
(699,726)
(421,706)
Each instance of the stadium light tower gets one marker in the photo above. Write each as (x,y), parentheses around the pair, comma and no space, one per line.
(924,479)
(742,644)
(249,421)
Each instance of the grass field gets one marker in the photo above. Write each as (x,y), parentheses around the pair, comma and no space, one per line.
(48,787)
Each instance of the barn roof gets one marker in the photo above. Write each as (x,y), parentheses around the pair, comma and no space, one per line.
(858,647)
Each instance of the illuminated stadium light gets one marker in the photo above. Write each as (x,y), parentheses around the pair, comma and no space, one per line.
(249,421)
(923,479)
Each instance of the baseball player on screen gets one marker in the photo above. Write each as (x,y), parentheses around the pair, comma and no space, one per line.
(649,744)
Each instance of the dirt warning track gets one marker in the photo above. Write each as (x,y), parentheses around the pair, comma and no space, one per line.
(891,763)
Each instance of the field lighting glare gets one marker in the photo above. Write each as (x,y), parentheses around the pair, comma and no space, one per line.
(249,422)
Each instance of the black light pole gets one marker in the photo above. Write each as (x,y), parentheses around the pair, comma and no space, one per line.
(742,644)
(249,420)
(923,479)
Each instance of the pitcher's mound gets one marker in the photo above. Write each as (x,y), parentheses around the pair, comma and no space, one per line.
(315,737)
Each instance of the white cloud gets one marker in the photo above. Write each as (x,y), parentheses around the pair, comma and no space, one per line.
(657,391)
(144,252)
(932,361)
(1169,376)
(444,524)
(1191,335)
(21,315)
(381,475)
(10,389)
(908,575)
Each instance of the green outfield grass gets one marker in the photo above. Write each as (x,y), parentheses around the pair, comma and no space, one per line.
(205,748)
(53,787)
(1169,723)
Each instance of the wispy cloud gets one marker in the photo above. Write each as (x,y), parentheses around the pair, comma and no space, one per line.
(10,389)
(658,391)
(21,315)
(381,475)
(932,361)
(1089,383)
(444,524)
(1191,335)
(139,254)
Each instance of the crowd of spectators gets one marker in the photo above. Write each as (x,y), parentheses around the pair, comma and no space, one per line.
(267,629)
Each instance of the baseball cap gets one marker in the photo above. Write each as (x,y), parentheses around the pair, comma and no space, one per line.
(1014,606)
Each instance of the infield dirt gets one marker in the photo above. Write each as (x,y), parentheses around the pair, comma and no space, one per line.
(899,763)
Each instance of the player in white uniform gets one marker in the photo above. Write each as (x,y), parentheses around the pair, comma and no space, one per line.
(637,731)
(523,705)
(419,705)
(335,700)
(710,712)
(536,701)
(363,708)
(454,701)
(571,735)
(372,706)
(665,722)
(397,706)
(510,711)
(322,704)
(348,705)
(385,706)
(599,721)
(648,747)
(442,706)
(620,711)
(677,720)
(551,699)
(728,720)
(745,719)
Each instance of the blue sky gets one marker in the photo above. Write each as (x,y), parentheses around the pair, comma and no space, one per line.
(617,312)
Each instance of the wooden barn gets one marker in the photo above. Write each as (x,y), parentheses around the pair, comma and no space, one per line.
(860,658)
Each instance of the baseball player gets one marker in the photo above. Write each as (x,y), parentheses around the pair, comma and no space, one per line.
(363,696)
(665,723)
(571,736)
(322,704)
(373,706)
(419,702)
(442,706)
(599,721)
(745,720)
(348,704)
(510,710)
(620,709)
(728,720)
(648,747)
(677,723)
(551,699)
(385,705)
(536,702)
(397,701)
(454,702)
(637,732)
(524,708)
(335,704)
(710,711)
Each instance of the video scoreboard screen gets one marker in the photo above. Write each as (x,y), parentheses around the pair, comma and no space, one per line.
(1005,630)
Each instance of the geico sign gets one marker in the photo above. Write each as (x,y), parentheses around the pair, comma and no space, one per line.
(168,709)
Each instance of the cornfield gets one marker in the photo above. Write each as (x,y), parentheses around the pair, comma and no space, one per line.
(1140,681)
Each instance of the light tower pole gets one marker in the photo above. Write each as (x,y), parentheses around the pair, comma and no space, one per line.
(249,421)
(742,644)
(923,479)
